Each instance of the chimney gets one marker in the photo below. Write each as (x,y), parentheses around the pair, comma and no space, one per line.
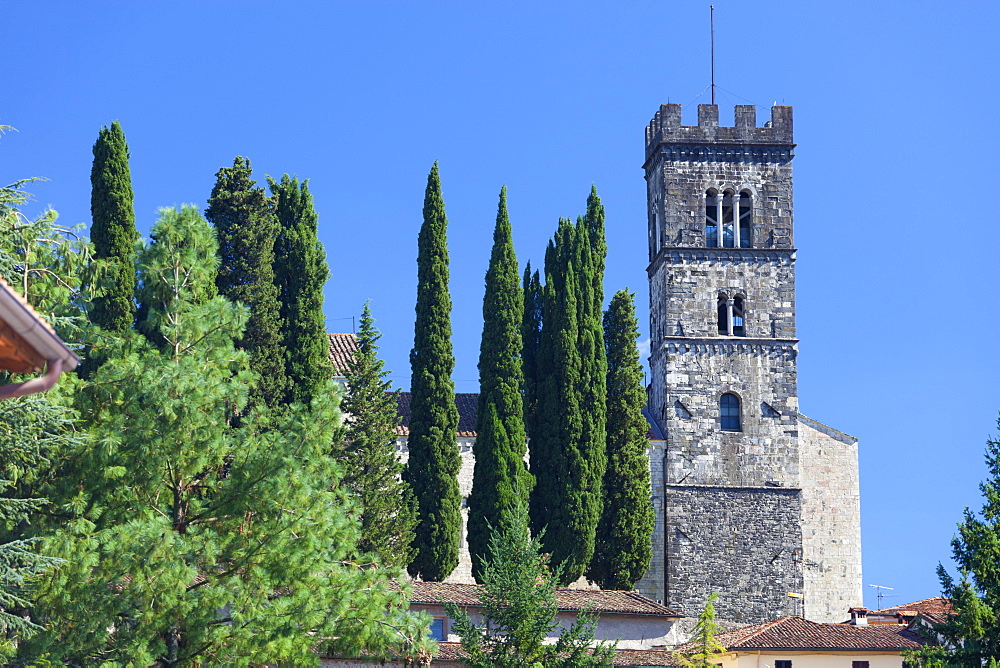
(859,616)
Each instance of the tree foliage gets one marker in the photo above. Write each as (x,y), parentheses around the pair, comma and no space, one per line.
(189,541)
(300,271)
(703,650)
(43,262)
(519,609)
(500,479)
(434,461)
(971,637)
(371,465)
(567,428)
(113,231)
(246,228)
(623,545)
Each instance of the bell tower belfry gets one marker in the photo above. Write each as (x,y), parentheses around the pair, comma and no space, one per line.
(722,360)
(755,501)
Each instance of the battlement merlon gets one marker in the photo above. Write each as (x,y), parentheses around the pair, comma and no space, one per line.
(666,128)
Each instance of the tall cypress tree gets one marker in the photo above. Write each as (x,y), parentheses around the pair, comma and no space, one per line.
(567,427)
(500,480)
(531,329)
(434,461)
(623,544)
(300,271)
(368,455)
(113,230)
(559,502)
(246,228)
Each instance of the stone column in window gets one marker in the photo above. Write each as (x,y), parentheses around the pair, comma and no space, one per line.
(729,317)
(736,221)
(718,217)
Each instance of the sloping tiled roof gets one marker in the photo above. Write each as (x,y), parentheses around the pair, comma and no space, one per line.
(796,633)
(624,658)
(342,349)
(935,604)
(467,404)
(606,601)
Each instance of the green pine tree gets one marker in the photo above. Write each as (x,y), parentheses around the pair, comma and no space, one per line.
(623,545)
(300,271)
(519,609)
(113,231)
(971,637)
(246,228)
(434,461)
(190,541)
(501,476)
(368,455)
(703,650)
(43,262)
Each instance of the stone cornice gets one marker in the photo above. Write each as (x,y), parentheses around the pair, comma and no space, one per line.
(701,254)
(753,488)
(719,150)
(725,345)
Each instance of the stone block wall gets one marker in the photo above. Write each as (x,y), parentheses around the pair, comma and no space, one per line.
(831,521)
(689,377)
(744,543)
(685,284)
(683,163)
(463,572)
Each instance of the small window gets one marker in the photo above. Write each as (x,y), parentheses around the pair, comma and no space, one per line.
(746,218)
(859,664)
(438,629)
(711,220)
(729,410)
(738,328)
(782,664)
(722,314)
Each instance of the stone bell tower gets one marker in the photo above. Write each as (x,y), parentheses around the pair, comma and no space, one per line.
(722,360)
(755,500)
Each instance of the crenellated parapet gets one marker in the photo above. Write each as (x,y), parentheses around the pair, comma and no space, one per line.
(666,128)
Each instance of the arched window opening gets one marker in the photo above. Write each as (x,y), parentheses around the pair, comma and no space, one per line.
(738,326)
(746,218)
(722,311)
(728,230)
(729,411)
(711,219)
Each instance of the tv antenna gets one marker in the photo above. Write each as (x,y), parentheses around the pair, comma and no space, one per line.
(712,23)
(881,594)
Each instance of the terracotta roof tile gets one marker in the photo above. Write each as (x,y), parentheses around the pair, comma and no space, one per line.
(936,604)
(624,658)
(796,633)
(467,404)
(606,601)
(342,349)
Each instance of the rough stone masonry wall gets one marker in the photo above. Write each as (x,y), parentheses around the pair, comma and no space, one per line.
(744,543)
(463,572)
(831,521)
(688,379)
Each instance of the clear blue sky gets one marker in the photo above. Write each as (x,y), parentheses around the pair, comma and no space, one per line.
(896,174)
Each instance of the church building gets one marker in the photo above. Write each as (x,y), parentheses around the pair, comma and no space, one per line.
(753,500)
